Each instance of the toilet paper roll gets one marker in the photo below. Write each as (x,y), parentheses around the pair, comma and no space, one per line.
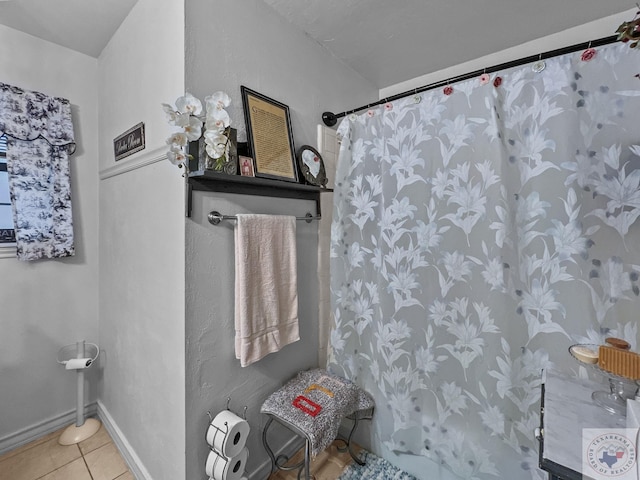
(227,434)
(76,363)
(223,468)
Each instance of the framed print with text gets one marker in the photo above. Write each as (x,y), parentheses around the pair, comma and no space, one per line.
(269,136)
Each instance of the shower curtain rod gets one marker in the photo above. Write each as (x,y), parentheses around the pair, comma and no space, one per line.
(330,119)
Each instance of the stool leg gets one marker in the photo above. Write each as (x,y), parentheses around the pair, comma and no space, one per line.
(307,462)
(274,464)
(353,429)
(347,442)
(307,459)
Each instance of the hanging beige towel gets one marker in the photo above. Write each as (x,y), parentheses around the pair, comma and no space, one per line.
(266,295)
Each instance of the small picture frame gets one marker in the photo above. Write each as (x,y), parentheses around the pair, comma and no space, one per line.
(312,166)
(246,166)
(269,136)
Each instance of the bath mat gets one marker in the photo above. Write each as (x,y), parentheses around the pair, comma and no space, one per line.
(376,468)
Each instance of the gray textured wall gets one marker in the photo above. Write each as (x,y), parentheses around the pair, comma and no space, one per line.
(213,373)
(228,44)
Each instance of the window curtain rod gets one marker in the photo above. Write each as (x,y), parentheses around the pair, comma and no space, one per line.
(330,119)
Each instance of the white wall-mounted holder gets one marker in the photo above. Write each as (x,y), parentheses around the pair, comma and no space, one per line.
(85,355)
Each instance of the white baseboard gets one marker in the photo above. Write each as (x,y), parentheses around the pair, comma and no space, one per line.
(33,432)
(57,422)
(129,455)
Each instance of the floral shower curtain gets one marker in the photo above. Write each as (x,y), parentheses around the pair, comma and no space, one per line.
(479,231)
(40,139)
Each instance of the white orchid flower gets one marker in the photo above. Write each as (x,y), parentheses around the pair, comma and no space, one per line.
(219,114)
(189,104)
(217,101)
(212,137)
(217,124)
(194,129)
(182,119)
(176,155)
(216,143)
(178,139)
(216,151)
(170,113)
(188,116)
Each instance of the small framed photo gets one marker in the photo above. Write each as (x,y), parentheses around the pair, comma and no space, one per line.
(269,136)
(312,166)
(246,166)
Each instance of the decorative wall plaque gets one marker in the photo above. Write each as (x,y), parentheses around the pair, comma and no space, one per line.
(129,142)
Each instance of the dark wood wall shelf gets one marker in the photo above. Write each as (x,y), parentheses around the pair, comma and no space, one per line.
(220,182)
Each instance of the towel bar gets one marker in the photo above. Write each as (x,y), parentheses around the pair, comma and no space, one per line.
(216,217)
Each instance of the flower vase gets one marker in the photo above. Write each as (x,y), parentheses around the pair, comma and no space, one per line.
(228,163)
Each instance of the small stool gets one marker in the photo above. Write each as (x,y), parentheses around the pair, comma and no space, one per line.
(312,405)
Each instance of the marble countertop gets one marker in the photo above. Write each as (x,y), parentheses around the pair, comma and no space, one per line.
(568,409)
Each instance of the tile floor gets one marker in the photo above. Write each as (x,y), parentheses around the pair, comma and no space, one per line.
(96,458)
(328,465)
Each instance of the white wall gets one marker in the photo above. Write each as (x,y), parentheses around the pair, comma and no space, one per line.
(604,27)
(142,242)
(50,303)
(231,43)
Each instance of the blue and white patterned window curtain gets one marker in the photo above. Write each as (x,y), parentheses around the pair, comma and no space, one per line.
(40,139)
(477,233)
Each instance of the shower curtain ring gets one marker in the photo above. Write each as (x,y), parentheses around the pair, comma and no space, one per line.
(228,402)
(210,416)
(416,98)
(244,413)
(539,65)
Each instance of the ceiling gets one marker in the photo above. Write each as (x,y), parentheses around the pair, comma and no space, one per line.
(390,41)
(386,41)
(82,25)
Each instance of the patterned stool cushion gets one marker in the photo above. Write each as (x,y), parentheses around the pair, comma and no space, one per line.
(315,402)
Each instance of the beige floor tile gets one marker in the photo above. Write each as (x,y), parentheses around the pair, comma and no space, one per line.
(38,441)
(100,438)
(126,476)
(76,470)
(328,465)
(105,463)
(37,461)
